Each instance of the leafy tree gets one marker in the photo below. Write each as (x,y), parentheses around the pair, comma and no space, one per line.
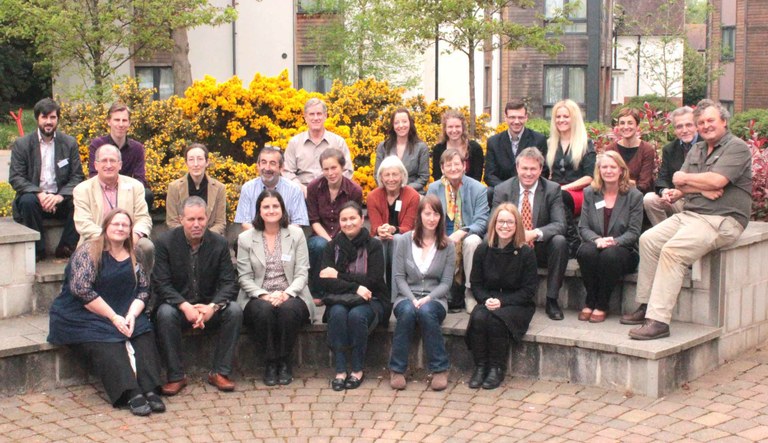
(695,76)
(24,81)
(357,41)
(98,36)
(696,11)
(469,25)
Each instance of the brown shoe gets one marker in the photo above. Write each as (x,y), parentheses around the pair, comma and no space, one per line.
(173,387)
(597,316)
(397,380)
(439,381)
(635,318)
(585,314)
(222,382)
(651,330)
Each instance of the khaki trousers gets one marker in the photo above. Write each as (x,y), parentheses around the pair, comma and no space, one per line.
(658,209)
(468,246)
(669,248)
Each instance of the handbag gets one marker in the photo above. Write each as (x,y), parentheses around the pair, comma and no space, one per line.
(348,300)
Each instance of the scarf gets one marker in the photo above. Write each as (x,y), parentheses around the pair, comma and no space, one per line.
(352,254)
(453,204)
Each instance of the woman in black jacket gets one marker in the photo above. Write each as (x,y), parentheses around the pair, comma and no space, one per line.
(504,282)
(352,276)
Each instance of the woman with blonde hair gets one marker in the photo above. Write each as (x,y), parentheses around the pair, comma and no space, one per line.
(504,282)
(455,136)
(610,225)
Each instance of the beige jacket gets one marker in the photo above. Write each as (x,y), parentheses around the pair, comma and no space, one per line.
(88,199)
(178,191)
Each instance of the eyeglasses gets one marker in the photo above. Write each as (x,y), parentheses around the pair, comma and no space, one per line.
(505,222)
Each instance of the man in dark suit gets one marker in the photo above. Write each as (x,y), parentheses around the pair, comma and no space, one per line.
(45,168)
(541,205)
(504,147)
(196,287)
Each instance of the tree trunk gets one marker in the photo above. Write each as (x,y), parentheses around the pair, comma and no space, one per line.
(182,70)
(472,101)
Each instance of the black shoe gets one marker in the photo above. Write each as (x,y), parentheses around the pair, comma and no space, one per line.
(64,251)
(478,376)
(270,374)
(553,309)
(353,382)
(284,374)
(139,406)
(337,384)
(155,402)
(494,378)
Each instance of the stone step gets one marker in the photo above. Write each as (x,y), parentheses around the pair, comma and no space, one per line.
(568,350)
(49,276)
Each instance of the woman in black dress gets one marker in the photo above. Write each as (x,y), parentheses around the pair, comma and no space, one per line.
(455,136)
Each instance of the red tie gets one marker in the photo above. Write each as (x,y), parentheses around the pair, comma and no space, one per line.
(526,213)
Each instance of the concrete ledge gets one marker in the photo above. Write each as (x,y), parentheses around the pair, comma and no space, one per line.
(12,232)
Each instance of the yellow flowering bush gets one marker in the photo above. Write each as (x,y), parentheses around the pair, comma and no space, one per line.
(7,195)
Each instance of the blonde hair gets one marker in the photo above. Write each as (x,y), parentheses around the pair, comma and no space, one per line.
(624,181)
(578,140)
(519,238)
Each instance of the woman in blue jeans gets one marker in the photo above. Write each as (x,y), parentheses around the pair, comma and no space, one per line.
(422,269)
(352,276)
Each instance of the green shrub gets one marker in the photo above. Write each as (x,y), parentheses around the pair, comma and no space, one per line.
(740,122)
(657,102)
(6,199)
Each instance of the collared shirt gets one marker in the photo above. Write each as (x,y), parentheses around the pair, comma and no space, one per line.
(514,140)
(323,210)
(302,157)
(47,164)
(530,195)
(293,197)
(110,197)
(131,153)
(732,159)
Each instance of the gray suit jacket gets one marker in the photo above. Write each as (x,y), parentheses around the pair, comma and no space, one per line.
(252,265)
(548,210)
(409,281)
(626,219)
(24,173)
(416,163)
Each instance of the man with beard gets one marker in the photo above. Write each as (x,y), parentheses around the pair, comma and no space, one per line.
(270,164)
(45,168)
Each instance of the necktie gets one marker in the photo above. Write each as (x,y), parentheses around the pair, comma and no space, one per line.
(515,142)
(526,213)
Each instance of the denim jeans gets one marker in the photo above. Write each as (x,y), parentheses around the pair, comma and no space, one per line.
(348,330)
(315,246)
(429,317)
(169,323)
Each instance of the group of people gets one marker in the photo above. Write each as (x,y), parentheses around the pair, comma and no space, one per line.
(304,242)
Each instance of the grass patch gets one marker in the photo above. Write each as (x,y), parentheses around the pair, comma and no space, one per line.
(9,132)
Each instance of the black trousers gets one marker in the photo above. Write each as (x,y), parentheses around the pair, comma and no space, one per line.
(488,338)
(31,215)
(553,255)
(275,329)
(602,270)
(111,363)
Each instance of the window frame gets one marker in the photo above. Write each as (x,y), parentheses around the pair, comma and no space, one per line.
(156,78)
(322,84)
(727,41)
(565,87)
(576,22)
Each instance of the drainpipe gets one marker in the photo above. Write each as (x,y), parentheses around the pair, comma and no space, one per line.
(234,42)
(637,87)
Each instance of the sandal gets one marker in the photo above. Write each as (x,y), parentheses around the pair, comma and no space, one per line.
(585,314)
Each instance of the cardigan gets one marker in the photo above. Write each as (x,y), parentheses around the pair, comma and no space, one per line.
(641,166)
(378,209)
(408,279)
(216,208)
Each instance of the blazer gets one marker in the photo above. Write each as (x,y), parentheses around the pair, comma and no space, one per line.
(626,218)
(548,210)
(89,203)
(641,166)
(378,209)
(216,279)
(476,160)
(252,265)
(672,159)
(408,280)
(474,203)
(416,163)
(25,169)
(216,209)
(499,160)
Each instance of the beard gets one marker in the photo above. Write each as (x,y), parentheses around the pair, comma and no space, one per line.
(47,133)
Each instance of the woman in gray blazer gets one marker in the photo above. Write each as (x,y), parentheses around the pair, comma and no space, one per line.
(403,141)
(610,224)
(422,269)
(273,264)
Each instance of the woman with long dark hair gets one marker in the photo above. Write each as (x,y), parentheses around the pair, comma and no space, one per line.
(403,141)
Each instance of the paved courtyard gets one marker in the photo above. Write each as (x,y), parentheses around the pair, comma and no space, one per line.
(729,404)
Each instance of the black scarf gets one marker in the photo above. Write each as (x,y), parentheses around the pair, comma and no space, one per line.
(346,248)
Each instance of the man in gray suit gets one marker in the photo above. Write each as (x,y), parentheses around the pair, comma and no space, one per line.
(45,168)
(541,200)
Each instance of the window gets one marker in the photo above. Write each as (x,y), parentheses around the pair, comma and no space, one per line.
(728,104)
(561,82)
(728,43)
(577,16)
(158,77)
(312,79)
(617,96)
(317,6)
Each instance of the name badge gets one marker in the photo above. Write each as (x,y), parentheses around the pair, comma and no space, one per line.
(286,257)
(63,162)
(125,187)
(600,204)
(398,205)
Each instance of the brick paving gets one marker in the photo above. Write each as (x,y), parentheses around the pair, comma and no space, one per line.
(729,404)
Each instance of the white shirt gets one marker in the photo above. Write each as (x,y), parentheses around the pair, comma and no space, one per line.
(531,191)
(47,165)
(423,265)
